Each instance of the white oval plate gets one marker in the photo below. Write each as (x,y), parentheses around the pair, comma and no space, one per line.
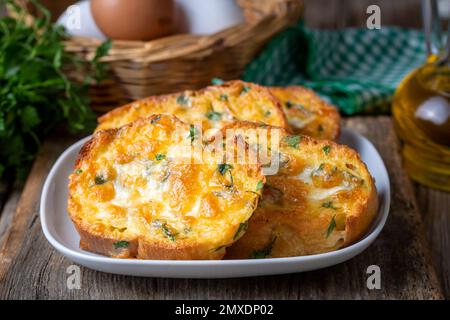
(61,233)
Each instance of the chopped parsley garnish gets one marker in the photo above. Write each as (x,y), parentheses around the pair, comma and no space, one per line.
(182,99)
(320,128)
(193,132)
(326,149)
(331,226)
(329,205)
(219,248)
(121,244)
(245,89)
(160,156)
(242,228)
(223,97)
(259,185)
(99,179)
(213,115)
(293,141)
(165,229)
(322,165)
(155,119)
(267,113)
(217,81)
(223,168)
(264,252)
(167,232)
(289,104)
(78,171)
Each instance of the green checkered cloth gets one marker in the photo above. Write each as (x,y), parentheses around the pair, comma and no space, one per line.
(355,69)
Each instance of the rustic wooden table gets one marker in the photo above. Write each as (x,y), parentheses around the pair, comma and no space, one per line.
(412,250)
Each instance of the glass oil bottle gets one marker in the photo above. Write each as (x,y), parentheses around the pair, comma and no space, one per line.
(421,110)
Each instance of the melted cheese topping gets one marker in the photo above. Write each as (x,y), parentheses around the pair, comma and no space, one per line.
(321,193)
(305,207)
(211,108)
(135,183)
(307,113)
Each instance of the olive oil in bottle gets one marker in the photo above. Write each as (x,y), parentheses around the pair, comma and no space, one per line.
(421,111)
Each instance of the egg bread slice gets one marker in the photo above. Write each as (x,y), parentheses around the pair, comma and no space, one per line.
(138,192)
(321,199)
(307,113)
(212,107)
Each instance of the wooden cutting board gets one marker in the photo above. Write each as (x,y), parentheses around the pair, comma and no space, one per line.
(31,269)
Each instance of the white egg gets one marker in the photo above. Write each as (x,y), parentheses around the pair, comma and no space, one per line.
(207,16)
(78,21)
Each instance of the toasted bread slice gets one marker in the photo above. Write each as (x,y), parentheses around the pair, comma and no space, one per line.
(322,198)
(213,107)
(307,113)
(140,192)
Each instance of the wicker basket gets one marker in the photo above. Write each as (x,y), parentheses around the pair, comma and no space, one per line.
(185,61)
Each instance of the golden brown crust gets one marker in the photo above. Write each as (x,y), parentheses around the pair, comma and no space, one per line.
(131,197)
(213,107)
(322,199)
(307,113)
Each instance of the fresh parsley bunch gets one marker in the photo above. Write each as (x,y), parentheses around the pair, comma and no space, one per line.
(35,90)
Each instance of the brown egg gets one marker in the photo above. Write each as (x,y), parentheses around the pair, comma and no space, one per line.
(134,19)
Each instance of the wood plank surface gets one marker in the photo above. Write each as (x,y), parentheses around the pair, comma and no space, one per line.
(435,208)
(31,269)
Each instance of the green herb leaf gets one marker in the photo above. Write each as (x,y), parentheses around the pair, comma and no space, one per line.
(36,92)
(259,185)
(219,248)
(293,141)
(242,228)
(213,115)
(103,50)
(288,104)
(329,205)
(331,226)
(78,171)
(217,81)
(30,117)
(164,228)
(223,97)
(99,180)
(245,89)
(155,119)
(193,132)
(326,149)
(167,232)
(160,156)
(183,100)
(264,252)
(224,167)
(121,244)
(100,72)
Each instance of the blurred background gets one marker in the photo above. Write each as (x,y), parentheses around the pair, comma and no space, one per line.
(331,13)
